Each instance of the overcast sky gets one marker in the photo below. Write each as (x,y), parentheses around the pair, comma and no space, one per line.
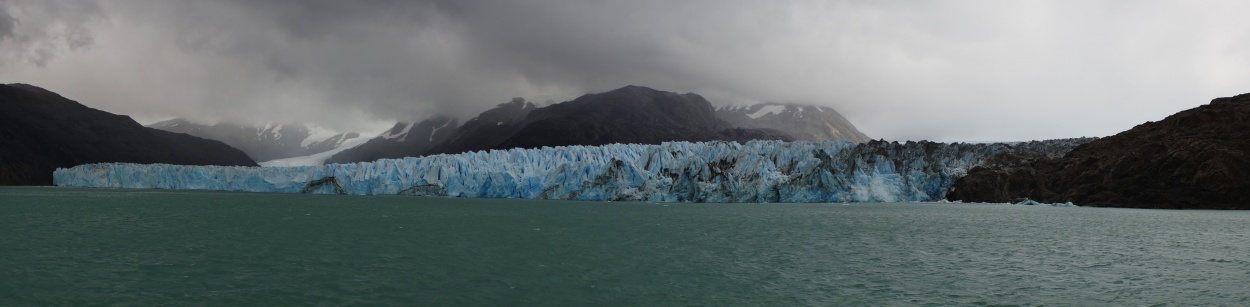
(939,70)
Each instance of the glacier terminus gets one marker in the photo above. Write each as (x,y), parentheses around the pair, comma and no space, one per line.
(754,172)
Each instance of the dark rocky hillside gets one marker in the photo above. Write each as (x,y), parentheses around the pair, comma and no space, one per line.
(485,130)
(1195,159)
(632,114)
(41,131)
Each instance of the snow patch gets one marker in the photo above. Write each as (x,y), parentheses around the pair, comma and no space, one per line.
(769,109)
(435,130)
(345,139)
(261,132)
(737,106)
(317,134)
(404,133)
(271,129)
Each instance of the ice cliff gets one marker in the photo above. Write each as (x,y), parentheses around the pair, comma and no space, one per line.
(758,171)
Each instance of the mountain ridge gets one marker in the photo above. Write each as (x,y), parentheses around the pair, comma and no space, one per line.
(402,140)
(263,143)
(630,115)
(41,131)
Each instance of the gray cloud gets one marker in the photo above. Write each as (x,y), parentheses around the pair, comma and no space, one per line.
(7,23)
(945,70)
(35,32)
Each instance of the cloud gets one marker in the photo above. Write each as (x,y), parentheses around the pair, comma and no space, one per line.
(7,23)
(944,70)
(35,32)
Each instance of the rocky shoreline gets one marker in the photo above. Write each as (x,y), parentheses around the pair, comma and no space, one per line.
(1194,159)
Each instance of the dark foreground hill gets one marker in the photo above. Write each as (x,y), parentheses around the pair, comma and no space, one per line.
(1195,159)
(41,131)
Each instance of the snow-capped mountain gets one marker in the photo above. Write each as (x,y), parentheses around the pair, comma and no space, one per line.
(268,142)
(628,115)
(803,122)
(405,139)
(434,135)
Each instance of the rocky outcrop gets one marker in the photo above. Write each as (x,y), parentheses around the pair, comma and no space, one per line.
(1195,159)
(41,131)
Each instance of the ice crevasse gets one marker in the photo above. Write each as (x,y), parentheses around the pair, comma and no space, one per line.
(758,171)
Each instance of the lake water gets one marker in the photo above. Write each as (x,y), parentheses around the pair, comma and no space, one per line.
(77,247)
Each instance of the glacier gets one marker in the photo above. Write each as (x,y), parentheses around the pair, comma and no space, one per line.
(317,158)
(755,172)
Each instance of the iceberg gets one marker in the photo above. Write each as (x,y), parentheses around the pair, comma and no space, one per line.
(758,171)
(1030,202)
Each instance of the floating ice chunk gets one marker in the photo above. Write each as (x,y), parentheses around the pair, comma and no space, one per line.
(1030,202)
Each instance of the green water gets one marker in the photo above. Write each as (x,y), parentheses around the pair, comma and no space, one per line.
(72,247)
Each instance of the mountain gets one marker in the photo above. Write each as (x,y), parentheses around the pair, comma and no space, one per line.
(629,115)
(265,143)
(489,128)
(803,122)
(1195,159)
(41,131)
(446,133)
(405,139)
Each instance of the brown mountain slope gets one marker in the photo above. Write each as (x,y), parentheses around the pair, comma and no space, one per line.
(1194,159)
